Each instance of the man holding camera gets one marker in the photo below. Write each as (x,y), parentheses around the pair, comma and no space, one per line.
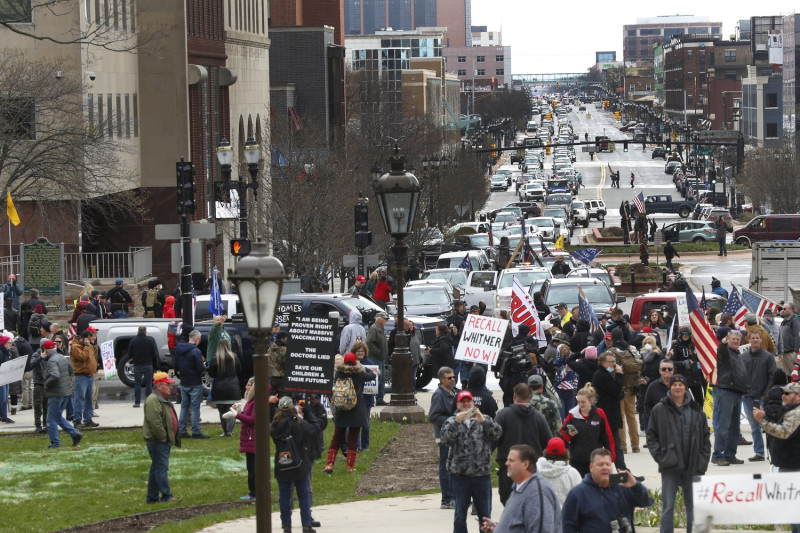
(603,502)
(680,442)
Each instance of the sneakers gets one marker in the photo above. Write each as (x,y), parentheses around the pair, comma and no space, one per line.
(76,439)
(744,442)
(6,421)
(41,430)
(136,405)
(756,458)
(448,505)
(200,436)
(721,462)
(91,424)
(735,461)
(171,499)
(248,497)
(76,425)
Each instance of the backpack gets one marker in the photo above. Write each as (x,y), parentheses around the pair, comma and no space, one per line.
(287,455)
(35,324)
(344,394)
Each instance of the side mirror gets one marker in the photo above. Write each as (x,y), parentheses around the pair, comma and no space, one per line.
(621,299)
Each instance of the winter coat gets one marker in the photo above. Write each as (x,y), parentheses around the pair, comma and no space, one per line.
(82,308)
(215,334)
(670,252)
(784,440)
(731,372)
(521,424)
(678,438)
(83,358)
(631,367)
(276,359)
(382,292)
(443,405)
(315,442)
(722,231)
(766,339)
(11,319)
(684,357)
(580,339)
(590,508)
(226,387)
(609,393)
(353,332)
(36,364)
(442,354)
(376,343)
(594,432)
(143,351)
(357,416)
(524,514)
(169,307)
(585,368)
(654,394)
(189,364)
(159,415)
(300,431)
(561,476)
(471,445)
(12,291)
(483,398)
(247,436)
(58,372)
(760,367)
(790,333)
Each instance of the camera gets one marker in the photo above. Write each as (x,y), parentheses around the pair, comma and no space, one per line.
(620,525)
(91,75)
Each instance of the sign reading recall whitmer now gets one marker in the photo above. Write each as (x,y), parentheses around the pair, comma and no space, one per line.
(481,339)
(747,498)
(309,354)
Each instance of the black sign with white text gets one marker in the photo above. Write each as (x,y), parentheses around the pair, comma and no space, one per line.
(309,354)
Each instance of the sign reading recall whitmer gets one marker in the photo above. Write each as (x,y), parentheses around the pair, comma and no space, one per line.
(109,361)
(309,354)
(748,499)
(481,339)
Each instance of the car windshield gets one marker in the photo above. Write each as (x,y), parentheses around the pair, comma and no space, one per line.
(455,277)
(578,205)
(426,296)
(361,304)
(543,222)
(524,278)
(583,273)
(596,294)
(480,241)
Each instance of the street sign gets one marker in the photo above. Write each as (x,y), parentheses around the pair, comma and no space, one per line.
(658,238)
(705,151)
(197,230)
(351,261)
(675,136)
(462,209)
(197,257)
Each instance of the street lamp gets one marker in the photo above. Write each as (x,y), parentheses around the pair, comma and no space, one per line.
(252,155)
(397,193)
(258,278)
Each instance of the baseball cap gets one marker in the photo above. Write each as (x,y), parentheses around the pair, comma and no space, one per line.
(285,403)
(769,312)
(119,281)
(791,387)
(161,377)
(350,358)
(535,381)
(91,329)
(381,315)
(561,304)
(607,335)
(474,308)
(555,446)
(48,345)
(464,394)
(361,279)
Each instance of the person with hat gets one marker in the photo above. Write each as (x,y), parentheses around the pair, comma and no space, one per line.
(12,290)
(84,361)
(455,321)
(543,404)
(276,360)
(119,299)
(563,312)
(6,342)
(716,288)
(678,439)
(790,337)
(382,294)
(683,355)
(378,351)
(784,437)
(160,433)
(349,422)
(471,436)
(558,338)
(358,288)
(609,381)
(602,328)
(58,372)
(555,468)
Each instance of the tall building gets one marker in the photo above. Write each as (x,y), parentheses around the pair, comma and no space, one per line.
(480,65)
(638,39)
(481,36)
(762,104)
(605,57)
(791,54)
(686,62)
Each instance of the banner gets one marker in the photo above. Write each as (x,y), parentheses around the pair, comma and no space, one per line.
(109,361)
(481,339)
(586,255)
(747,499)
(371,387)
(309,354)
(523,311)
(12,371)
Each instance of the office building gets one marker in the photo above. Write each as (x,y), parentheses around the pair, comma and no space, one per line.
(638,39)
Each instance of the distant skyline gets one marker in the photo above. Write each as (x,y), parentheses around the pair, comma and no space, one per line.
(551,38)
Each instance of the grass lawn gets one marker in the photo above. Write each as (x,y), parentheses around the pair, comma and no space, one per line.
(46,490)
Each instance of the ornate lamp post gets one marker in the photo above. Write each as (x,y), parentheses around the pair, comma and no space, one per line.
(397,193)
(258,279)
(252,155)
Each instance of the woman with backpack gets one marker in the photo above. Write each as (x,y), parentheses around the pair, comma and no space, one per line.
(349,409)
(290,430)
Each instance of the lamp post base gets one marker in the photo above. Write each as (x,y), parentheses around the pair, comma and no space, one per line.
(403,414)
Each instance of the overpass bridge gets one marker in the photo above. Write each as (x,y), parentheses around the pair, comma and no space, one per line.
(563,79)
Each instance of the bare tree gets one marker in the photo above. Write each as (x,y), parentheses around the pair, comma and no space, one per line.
(770,177)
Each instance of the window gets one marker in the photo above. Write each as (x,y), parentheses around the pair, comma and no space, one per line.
(90,109)
(127,116)
(119,115)
(16,10)
(651,31)
(771,99)
(499,58)
(135,115)
(689,54)
(480,59)
(462,72)
(781,224)
(632,87)
(462,59)
(500,72)
(631,33)
(480,72)
(110,120)
(648,87)
(730,56)
(644,42)
(17,118)
(100,115)
(772,130)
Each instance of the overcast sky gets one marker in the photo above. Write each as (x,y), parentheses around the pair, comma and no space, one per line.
(550,37)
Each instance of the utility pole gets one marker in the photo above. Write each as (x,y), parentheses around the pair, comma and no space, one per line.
(363,235)
(186,206)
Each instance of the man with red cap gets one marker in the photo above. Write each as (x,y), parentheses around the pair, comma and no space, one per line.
(160,432)
(358,288)
(471,437)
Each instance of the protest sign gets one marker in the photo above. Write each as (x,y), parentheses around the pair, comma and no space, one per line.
(481,339)
(12,371)
(309,354)
(371,387)
(109,361)
(747,499)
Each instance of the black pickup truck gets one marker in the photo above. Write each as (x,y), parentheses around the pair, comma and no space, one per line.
(664,203)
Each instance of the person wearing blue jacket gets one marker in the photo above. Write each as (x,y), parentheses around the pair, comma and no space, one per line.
(190,366)
(597,505)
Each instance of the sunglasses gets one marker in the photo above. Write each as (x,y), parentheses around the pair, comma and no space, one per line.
(449,377)
(667,369)
(788,393)
(685,334)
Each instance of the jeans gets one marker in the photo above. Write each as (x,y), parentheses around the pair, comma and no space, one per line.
(142,375)
(480,490)
(55,408)
(381,380)
(3,402)
(726,431)
(462,372)
(303,497)
(83,398)
(191,397)
(414,376)
(755,429)
(445,483)
(723,248)
(158,481)
(670,481)
(669,266)
(567,397)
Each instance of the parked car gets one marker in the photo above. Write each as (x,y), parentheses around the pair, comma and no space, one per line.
(456,276)
(430,299)
(715,213)
(689,231)
(670,167)
(769,228)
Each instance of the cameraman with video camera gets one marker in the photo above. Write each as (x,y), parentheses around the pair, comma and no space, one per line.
(514,363)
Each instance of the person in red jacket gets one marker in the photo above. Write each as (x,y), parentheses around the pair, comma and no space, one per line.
(383,292)
(169,307)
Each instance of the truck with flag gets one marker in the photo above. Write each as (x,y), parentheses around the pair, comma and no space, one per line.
(664,203)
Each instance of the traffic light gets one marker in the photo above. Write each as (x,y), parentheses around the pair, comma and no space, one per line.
(625,146)
(363,239)
(240,247)
(362,218)
(548,116)
(186,189)
(547,149)
(669,147)
(616,115)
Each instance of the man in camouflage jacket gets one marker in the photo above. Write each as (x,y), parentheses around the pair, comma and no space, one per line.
(545,405)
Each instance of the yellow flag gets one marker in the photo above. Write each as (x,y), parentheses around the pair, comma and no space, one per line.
(708,404)
(559,245)
(11,211)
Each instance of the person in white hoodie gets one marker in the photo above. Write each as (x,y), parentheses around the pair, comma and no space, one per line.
(352,333)
(555,468)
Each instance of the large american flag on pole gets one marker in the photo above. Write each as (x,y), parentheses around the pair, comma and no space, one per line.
(705,341)
(736,308)
(585,311)
(638,201)
(545,251)
(523,311)
(757,304)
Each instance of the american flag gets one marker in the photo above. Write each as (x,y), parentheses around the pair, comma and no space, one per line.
(491,237)
(585,311)
(757,304)
(545,251)
(705,340)
(215,304)
(703,303)
(465,264)
(736,308)
(639,203)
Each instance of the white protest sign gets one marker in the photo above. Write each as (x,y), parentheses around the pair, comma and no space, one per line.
(12,371)
(109,362)
(747,499)
(371,387)
(481,339)
(683,310)
(2,318)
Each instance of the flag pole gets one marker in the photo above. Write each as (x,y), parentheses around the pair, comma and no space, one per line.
(10,254)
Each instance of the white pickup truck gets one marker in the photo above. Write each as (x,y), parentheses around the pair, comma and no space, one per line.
(122,330)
